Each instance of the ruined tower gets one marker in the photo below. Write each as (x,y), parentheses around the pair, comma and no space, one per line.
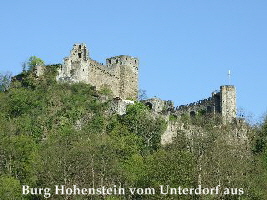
(120,74)
(75,67)
(127,68)
(228,102)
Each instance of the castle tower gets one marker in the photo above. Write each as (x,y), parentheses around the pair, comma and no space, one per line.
(228,102)
(75,67)
(128,75)
(79,52)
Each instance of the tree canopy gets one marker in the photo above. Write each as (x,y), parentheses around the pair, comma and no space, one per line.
(63,134)
(5,80)
(33,62)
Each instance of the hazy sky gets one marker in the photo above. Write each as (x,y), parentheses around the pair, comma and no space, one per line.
(185,47)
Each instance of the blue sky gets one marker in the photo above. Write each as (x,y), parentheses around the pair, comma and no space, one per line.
(185,47)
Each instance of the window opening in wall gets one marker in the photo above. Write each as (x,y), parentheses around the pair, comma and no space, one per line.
(209,109)
(192,114)
(80,55)
(83,70)
(80,46)
(149,105)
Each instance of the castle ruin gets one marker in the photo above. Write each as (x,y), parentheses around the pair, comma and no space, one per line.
(119,74)
(221,102)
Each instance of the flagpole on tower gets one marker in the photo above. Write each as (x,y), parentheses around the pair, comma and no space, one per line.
(229,77)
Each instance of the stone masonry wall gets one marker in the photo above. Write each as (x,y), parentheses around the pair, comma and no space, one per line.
(101,76)
(221,102)
(120,74)
(228,102)
(210,105)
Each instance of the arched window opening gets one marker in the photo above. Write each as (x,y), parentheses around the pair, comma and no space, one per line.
(192,114)
(149,105)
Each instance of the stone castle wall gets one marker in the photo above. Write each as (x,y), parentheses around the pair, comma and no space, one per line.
(102,77)
(221,102)
(120,74)
(210,105)
(228,102)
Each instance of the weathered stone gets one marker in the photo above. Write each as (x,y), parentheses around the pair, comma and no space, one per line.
(221,102)
(119,106)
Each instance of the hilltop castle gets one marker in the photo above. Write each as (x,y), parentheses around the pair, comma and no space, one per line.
(120,75)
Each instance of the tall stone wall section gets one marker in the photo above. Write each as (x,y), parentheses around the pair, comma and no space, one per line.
(221,102)
(102,77)
(127,67)
(119,74)
(211,105)
(228,102)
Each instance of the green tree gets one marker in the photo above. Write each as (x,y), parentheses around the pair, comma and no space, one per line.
(34,61)
(142,95)
(19,158)
(5,80)
(141,122)
(10,188)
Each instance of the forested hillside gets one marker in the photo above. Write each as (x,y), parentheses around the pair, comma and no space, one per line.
(63,134)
